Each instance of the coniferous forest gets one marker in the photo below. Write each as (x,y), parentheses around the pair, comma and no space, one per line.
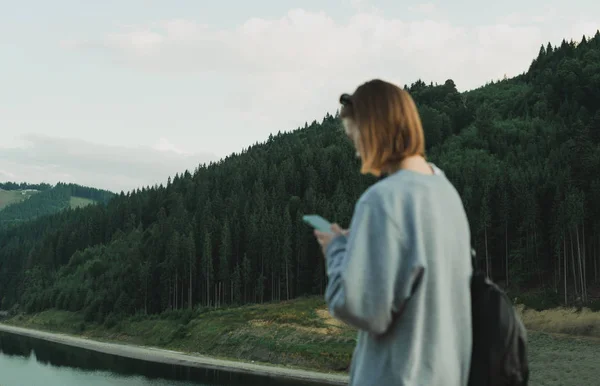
(24,185)
(524,154)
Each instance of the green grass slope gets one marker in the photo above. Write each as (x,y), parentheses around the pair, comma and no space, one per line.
(301,333)
(8,197)
(80,202)
(18,205)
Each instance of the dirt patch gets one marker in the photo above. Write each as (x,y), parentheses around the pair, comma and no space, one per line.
(260,323)
(304,329)
(328,319)
(333,326)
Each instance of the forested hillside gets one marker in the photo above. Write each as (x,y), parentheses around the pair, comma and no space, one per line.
(48,200)
(524,154)
(24,186)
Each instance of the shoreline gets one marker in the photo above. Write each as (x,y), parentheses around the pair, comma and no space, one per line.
(158,355)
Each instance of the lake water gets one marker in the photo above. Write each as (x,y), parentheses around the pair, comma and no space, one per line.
(26,361)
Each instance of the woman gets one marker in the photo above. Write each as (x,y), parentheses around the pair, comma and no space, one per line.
(401,273)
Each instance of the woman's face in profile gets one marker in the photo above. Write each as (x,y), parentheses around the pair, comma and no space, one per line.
(352,132)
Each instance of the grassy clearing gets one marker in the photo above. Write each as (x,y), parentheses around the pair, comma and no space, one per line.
(78,202)
(563,360)
(301,333)
(563,321)
(8,197)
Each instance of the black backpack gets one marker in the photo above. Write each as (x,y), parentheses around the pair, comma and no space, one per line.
(499,356)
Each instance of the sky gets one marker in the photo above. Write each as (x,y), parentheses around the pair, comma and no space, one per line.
(119,94)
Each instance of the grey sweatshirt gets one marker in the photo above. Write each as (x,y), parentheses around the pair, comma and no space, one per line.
(402,277)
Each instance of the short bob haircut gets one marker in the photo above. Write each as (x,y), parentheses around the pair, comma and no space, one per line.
(388,122)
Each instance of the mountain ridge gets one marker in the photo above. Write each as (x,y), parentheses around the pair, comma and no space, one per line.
(522,152)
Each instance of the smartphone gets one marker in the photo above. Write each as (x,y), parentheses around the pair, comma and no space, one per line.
(317,222)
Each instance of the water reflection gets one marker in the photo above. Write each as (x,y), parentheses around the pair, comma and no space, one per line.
(21,357)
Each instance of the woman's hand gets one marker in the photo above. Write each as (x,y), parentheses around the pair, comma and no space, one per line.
(324,238)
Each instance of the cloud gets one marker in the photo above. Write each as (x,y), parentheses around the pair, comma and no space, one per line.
(424,8)
(52,159)
(548,15)
(4,175)
(362,5)
(302,49)
(163,145)
(277,73)
(584,27)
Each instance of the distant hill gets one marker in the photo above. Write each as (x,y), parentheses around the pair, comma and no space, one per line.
(24,202)
(12,192)
(24,186)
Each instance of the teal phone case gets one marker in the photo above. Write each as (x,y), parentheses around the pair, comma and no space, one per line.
(317,222)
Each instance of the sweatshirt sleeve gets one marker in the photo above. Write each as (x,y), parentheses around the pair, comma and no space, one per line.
(363,270)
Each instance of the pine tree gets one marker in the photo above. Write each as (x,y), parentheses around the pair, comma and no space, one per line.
(207,260)
(224,258)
